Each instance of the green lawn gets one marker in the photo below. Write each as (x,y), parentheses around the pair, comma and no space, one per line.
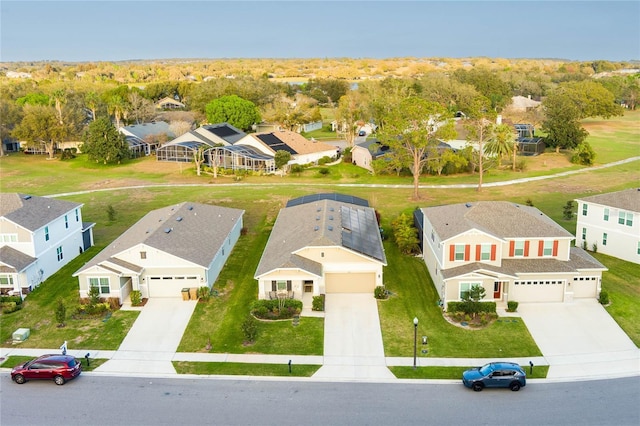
(12,361)
(455,373)
(242,369)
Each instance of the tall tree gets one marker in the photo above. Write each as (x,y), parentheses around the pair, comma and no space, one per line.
(117,106)
(480,129)
(349,112)
(412,128)
(10,116)
(501,142)
(234,110)
(40,125)
(140,108)
(104,143)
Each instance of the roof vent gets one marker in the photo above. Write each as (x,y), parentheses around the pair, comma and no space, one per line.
(330,217)
(317,217)
(167,230)
(330,228)
(315,228)
(179,219)
(331,208)
(319,209)
(190,208)
(28,197)
(468,205)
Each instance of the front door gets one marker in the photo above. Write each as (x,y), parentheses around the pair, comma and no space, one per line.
(497,286)
(308,286)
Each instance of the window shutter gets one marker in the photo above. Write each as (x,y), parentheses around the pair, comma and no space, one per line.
(493,252)
(478,250)
(526,248)
(540,248)
(452,252)
(467,252)
(274,286)
(288,285)
(512,248)
(555,248)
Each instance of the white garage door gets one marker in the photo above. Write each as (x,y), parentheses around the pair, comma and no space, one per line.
(350,283)
(537,291)
(584,287)
(169,286)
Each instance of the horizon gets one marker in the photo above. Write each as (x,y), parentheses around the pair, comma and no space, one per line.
(128,31)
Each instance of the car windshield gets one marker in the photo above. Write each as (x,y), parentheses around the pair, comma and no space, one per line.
(72,362)
(486,369)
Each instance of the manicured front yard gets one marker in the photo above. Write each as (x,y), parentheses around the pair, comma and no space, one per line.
(242,369)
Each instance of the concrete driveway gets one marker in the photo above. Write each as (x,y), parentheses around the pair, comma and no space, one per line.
(353,346)
(153,339)
(579,338)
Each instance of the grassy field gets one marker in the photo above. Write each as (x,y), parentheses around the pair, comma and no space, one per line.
(262,197)
(242,369)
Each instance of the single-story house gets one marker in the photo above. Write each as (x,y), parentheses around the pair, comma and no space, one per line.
(363,154)
(302,150)
(327,243)
(514,251)
(610,222)
(145,138)
(169,249)
(181,149)
(169,103)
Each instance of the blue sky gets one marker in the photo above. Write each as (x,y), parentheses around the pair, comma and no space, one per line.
(123,30)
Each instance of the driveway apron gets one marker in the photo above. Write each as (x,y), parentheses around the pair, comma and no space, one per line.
(353,346)
(153,339)
(579,338)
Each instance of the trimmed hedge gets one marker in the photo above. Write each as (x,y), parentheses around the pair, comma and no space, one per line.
(489,307)
(318,303)
(270,309)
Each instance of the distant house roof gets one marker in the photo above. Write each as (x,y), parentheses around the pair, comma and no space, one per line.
(189,231)
(320,223)
(305,199)
(629,199)
(211,134)
(33,212)
(521,103)
(498,218)
(380,149)
(168,102)
(292,142)
(143,130)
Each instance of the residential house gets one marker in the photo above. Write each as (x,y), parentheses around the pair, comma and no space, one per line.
(145,138)
(169,249)
(523,104)
(182,148)
(610,224)
(302,150)
(38,236)
(322,243)
(514,251)
(169,103)
(363,154)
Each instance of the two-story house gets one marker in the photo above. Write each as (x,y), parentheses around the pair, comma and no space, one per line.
(514,251)
(38,236)
(610,224)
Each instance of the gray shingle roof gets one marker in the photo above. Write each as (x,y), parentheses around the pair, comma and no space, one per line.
(319,224)
(33,212)
(14,260)
(499,218)
(195,233)
(628,199)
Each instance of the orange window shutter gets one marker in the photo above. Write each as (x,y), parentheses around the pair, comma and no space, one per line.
(555,248)
(478,249)
(512,248)
(452,252)
(493,252)
(540,248)
(526,248)
(467,252)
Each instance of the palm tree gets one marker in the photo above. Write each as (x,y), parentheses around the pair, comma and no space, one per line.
(117,107)
(500,143)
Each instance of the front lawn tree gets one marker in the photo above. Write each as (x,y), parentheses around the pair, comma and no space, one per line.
(471,299)
(104,143)
(412,128)
(281,159)
(234,110)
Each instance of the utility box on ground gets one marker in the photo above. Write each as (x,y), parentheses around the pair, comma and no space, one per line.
(21,334)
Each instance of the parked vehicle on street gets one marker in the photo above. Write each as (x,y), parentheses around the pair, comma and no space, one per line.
(495,375)
(58,368)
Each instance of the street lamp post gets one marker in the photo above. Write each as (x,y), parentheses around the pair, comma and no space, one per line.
(415,341)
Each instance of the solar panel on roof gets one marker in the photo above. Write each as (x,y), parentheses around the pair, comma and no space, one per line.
(276,144)
(328,196)
(360,232)
(221,131)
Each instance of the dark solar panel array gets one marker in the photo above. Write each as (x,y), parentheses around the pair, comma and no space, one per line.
(221,131)
(360,232)
(275,144)
(328,196)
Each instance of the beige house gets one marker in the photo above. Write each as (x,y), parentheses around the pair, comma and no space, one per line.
(302,150)
(169,249)
(325,243)
(514,251)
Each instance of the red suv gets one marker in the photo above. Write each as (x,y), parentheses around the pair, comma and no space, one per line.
(60,368)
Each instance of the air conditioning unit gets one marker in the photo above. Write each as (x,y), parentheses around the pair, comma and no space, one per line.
(21,334)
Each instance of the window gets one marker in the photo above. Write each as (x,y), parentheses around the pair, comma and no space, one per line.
(223,251)
(143,255)
(459,252)
(606,215)
(464,290)
(519,249)
(6,280)
(77,215)
(629,219)
(584,234)
(547,249)
(638,251)
(584,209)
(101,283)
(485,252)
(604,238)
(625,218)
(433,236)
(46,233)
(281,285)
(9,238)
(59,253)
(66,221)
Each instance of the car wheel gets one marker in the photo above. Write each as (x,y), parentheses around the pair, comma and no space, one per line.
(515,386)
(19,379)
(477,387)
(59,380)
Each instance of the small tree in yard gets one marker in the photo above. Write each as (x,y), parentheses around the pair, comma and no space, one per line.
(471,300)
(61,313)
(281,159)
(94,296)
(250,329)
(405,234)
(567,211)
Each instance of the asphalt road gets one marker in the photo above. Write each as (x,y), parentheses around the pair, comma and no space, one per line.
(100,400)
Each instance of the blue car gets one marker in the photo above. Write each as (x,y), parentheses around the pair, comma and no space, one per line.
(495,375)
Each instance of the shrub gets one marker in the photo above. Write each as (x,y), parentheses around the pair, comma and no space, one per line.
(604,297)
(567,210)
(297,168)
(324,160)
(512,306)
(94,295)
(276,309)
(136,298)
(204,293)
(594,247)
(114,303)
(318,303)
(61,313)
(584,155)
(380,292)
(16,299)
(324,171)
(10,307)
(488,307)
(250,329)
(111,213)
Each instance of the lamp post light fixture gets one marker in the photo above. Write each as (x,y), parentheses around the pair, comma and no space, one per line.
(415,341)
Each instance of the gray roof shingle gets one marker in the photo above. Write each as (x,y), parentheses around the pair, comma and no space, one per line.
(14,260)
(629,199)
(33,212)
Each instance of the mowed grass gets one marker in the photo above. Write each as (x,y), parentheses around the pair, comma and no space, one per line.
(622,282)
(413,295)
(13,360)
(455,373)
(242,369)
